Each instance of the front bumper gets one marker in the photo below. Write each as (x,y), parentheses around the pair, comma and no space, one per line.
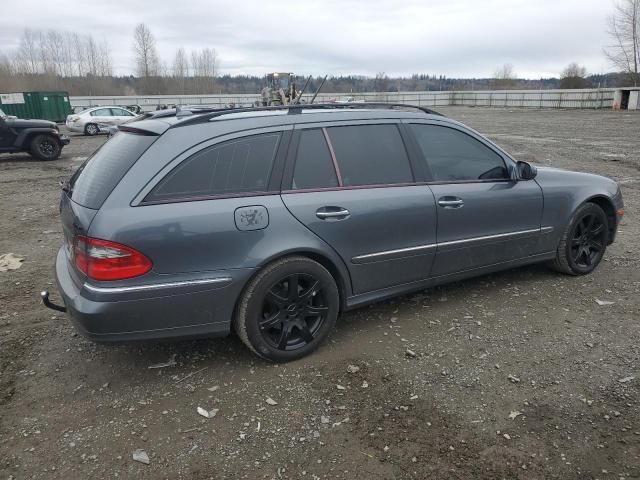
(152,311)
(75,127)
(618,205)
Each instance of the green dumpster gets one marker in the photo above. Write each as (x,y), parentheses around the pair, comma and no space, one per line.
(52,106)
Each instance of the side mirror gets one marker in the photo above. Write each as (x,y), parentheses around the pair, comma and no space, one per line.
(526,171)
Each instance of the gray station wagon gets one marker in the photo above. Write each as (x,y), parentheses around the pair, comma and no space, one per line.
(274,220)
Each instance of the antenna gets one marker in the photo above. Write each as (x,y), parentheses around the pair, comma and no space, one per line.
(299,97)
(318,90)
(182,113)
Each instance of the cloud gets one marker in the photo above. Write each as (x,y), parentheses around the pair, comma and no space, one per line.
(455,38)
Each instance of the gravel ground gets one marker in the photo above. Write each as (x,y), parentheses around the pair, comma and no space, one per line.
(519,374)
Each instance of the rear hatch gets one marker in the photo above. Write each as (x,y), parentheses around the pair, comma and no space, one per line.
(93,182)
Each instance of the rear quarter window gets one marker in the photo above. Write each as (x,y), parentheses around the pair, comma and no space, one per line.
(97,177)
(237,166)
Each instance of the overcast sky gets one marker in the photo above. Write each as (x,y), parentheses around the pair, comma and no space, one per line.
(457,38)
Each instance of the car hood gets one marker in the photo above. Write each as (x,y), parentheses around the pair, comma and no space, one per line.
(21,123)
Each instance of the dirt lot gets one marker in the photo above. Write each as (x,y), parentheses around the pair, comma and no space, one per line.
(517,375)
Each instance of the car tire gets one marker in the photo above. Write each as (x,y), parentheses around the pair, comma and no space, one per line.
(91,129)
(583,241)
(288,309)
(45,147)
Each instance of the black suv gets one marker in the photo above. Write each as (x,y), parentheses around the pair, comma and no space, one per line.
(40,138)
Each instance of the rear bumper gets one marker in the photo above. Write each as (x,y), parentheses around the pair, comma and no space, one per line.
(198,308)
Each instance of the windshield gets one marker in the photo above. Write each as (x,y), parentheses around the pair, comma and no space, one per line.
(284,82)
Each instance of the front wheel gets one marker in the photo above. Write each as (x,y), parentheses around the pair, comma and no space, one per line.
(45,147)
(288,309)
(584,241)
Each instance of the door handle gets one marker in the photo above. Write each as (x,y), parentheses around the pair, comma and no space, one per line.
(338,213)
(451,202)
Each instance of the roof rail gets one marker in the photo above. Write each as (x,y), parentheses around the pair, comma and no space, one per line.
(208,113)
(355,105)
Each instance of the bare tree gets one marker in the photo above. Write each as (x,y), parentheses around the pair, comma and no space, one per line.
(104,65)
(5,63)
(180,64)
(180,70)
(93,56)
(144,46)
(67,55)
(504,77)
(574,76)
(205,62)
(381,82)
(209,62)
(28,55)
(52,46)
(505,72)
(6,67)
(195,62)
(7,74)
(61,54)
(624,29)
(204,65)
(79,56)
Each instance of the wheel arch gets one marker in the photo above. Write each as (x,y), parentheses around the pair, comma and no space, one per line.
(327,263)
(606,204)
(337,270)
(25,137)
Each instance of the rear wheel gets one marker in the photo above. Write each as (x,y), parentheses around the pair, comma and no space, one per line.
(584,241)
(288,309)
(45,147)
(91,129)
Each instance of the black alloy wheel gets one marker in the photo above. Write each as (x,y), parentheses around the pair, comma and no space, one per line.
(589,240)
(583,242)
(293,312)
(288,309)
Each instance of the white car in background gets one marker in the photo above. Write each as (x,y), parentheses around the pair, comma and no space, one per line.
(98,119)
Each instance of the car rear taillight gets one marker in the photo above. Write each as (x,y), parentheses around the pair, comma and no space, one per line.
(105,260)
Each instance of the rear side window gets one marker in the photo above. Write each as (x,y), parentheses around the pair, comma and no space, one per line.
(370,155)
(314,166)
(453,155)
(103,112)
(236,166)
(97,177)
